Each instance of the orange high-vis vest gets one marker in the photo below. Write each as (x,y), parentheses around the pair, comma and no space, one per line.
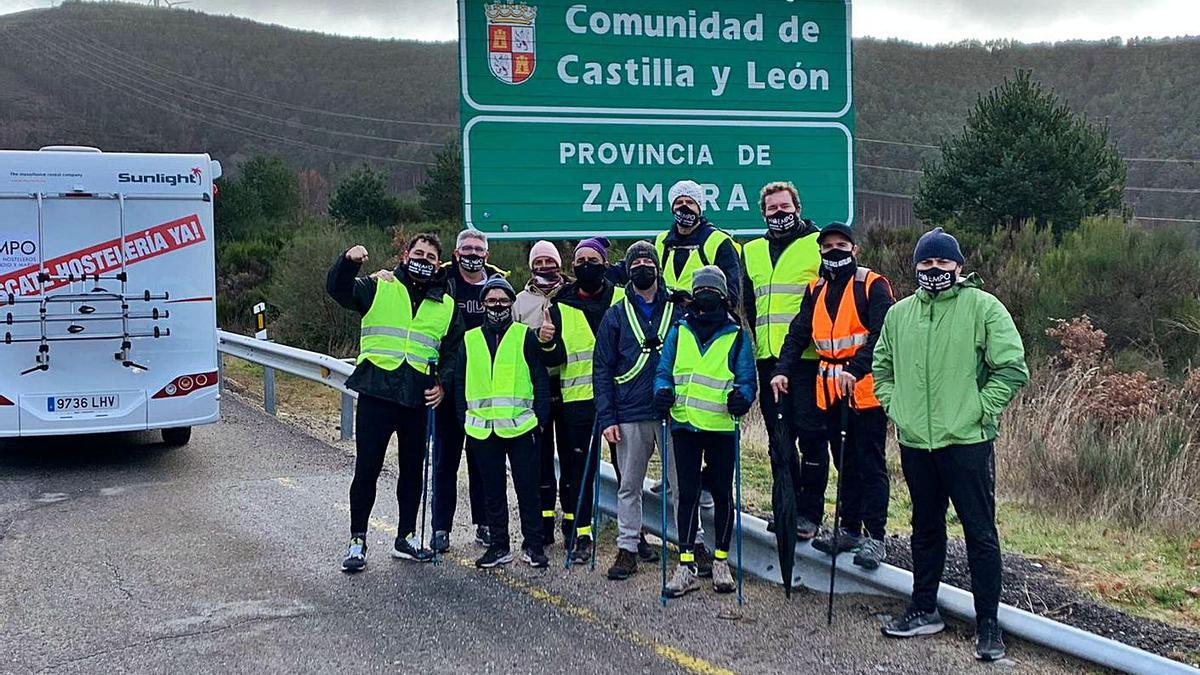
(837,340)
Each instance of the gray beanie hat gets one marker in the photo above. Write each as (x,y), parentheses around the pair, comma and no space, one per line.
(687,188)
(710,276)
(497,282)
(641,249)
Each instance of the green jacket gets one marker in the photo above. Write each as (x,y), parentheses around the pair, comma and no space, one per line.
(946,365)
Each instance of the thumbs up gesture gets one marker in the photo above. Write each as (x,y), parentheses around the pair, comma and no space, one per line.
(546,332)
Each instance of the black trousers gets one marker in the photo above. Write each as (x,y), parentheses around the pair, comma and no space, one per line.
(573,458)
(376,420)
(865,484)
(553,439)
(805,424)
(716,451)
(522,454)
(447,456)
(966,476)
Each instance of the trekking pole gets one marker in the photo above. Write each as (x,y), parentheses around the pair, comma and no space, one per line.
(587,463)
(737,472)
(595,499)
(430,431)
(837,509)
(665,473)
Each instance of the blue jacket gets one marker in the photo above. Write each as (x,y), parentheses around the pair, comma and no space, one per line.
(615,353)
(741,363)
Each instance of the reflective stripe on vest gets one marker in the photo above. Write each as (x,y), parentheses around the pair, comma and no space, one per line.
(579,341)
(635,324)
(838,339)
(779,289)
(499,391)
(694,262)
(703,382)
(391,335)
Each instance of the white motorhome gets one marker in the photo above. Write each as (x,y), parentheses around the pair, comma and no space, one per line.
(107,293)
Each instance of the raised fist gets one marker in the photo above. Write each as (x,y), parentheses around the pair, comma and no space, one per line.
(357,254)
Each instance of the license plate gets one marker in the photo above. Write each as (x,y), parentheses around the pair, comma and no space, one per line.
(83,403)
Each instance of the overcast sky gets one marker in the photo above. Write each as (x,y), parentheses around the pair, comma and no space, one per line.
(929,21)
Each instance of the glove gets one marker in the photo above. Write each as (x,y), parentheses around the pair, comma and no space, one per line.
(663,400)
(737,403)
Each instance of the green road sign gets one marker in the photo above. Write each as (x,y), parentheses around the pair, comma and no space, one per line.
(754,59)
(559,177)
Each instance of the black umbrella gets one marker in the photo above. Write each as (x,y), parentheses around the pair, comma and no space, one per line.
(783,498)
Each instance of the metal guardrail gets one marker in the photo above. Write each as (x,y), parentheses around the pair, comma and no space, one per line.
(759,557)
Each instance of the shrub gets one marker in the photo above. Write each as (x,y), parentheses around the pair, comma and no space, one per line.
(243,268)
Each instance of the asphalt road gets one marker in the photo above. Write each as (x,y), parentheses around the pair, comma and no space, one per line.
(118,555)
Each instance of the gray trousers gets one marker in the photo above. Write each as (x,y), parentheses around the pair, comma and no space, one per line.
(639,441)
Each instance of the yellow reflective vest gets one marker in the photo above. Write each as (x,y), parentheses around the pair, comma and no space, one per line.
(499,391)
(391,335)
(703,381)
(579,341)
(707,255)
(779,289)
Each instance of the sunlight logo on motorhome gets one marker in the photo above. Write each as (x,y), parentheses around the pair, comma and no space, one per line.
(510,42)
(171,179)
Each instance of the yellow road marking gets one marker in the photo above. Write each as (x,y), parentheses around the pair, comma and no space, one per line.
(686,661)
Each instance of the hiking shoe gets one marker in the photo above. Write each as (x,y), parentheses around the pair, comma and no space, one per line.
(684,581)
(704,562)
(356,556)
(806,529)
(493,557)
(646,553)
(913,623)
(870,554)
(582,553)
(989,641)
(482,536)
(535,557)
(625,565)
(722,577)
(441,541)
(706,500)
(845,541)
(405,549)
(656,488)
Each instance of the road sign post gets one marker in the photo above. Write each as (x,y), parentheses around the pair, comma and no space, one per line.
(578,116)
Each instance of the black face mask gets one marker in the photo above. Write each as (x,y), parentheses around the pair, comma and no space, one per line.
(685,219)
(782,222)
(420,270)
(498,317)
(643,277)
(936,280)
(471,263)
(837,263)
(590,276)
(708,302)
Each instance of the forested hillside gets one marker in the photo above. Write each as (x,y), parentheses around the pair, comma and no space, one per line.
(134,77)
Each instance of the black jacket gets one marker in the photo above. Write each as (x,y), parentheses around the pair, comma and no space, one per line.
(575,413)
(776,245)
(537,372)
(879,301)
(727,256)
(403,385)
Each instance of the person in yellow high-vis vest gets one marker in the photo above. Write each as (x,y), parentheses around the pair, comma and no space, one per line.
(502,393)
(693,242)
(409,324)
(568,337)
(779,266)
(705,379)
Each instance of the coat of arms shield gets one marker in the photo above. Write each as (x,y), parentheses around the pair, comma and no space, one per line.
(510,39)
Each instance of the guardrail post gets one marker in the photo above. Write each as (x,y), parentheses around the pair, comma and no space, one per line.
(347,425)
(260,323)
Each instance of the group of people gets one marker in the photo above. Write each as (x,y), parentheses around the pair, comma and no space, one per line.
(673,344)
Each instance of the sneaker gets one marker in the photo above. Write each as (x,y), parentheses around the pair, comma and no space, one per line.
(914,623)
(405,549)
(646,553)
(625,565)
(535,557)
(870,554)
(722,578)
(482,536)
(989,641)
(684,581)
(656,488)
(846,542)
(704,562)
(441,541)
(806,529)
(356,556)
(493,557)
(582,553)
(706,500)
